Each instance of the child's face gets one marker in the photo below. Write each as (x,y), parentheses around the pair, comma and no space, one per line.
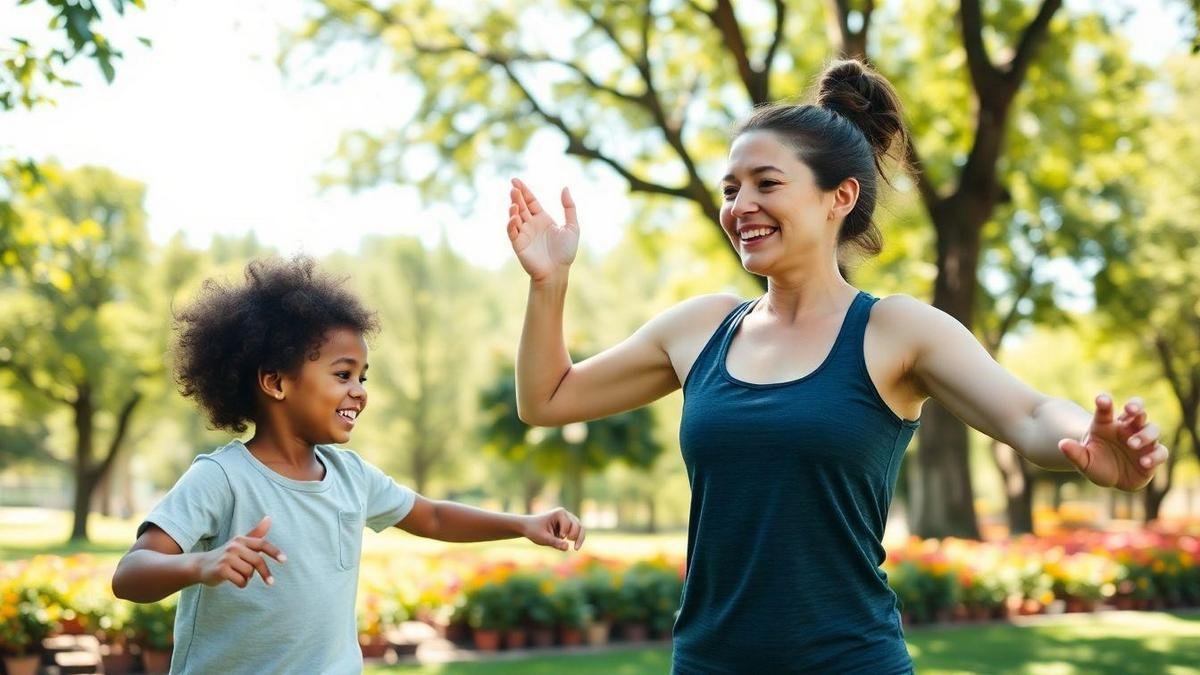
(325,397)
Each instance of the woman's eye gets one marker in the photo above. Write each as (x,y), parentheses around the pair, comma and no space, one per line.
(767,184)
(729,191)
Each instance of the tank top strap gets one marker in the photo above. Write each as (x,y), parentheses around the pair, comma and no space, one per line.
(711,355)
(855,329)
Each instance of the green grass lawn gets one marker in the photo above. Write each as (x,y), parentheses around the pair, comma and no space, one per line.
(1116,643)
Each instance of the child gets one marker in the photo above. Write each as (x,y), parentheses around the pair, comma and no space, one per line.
(285,352)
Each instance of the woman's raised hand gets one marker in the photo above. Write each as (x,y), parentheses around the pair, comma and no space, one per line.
(543,246)
(1120,452)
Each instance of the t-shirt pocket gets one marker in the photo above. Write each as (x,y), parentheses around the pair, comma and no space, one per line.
(350,527)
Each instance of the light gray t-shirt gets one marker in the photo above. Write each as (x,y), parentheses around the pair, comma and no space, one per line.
(305,622)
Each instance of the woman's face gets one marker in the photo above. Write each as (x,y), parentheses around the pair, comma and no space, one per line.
(773,212)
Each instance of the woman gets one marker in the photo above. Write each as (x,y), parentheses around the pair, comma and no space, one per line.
(798,405)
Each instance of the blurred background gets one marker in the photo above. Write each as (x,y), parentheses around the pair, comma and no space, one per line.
(147,146)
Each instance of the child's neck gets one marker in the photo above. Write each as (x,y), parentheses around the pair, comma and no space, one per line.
(286,455)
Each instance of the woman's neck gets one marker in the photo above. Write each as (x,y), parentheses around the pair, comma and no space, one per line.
(794,299)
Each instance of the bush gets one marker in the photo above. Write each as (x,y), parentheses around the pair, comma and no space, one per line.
(152,624)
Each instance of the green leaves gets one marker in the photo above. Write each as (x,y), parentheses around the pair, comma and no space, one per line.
(29,72)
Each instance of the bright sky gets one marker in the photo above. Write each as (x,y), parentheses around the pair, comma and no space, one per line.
(226,144)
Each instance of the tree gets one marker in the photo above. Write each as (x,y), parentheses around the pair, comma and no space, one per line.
(423,372)
(568,452)
(72,334)
(647,89)
(27,68)
(1150,288)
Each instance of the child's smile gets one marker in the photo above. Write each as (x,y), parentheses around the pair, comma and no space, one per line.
(326,396)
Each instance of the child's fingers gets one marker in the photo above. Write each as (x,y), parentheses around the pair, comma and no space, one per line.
(260,530)
(241,571)
(266,547)
(579,536)
(253,561)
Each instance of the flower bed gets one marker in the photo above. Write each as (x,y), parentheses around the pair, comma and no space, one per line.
(592,599)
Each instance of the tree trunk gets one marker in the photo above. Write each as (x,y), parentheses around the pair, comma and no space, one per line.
(1018,488)
(87,473)
(651,515)
(572,493)
(942,500)
(85,483)
(1160,485)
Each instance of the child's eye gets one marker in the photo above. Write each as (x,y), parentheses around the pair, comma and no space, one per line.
(343,375)
(362,380)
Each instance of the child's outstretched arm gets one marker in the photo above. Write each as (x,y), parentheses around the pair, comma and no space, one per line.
(156,567)
(451,521)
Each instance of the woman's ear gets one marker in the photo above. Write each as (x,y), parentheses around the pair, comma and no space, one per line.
(845,196)
(270,382)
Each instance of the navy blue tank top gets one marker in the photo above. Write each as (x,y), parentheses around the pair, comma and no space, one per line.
(791,484)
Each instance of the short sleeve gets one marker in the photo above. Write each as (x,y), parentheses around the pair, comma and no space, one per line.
(388,502)
(196,507)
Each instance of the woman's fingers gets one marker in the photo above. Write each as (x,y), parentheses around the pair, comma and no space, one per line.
(1155,457)
(527,197)
(1145,438)
(569,214)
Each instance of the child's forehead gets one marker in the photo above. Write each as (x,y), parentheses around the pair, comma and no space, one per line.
(344,344)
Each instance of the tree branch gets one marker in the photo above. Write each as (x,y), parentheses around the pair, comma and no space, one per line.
(925,187)
(983,73)
(1031,37)
(725,21)
(24,374)
(776,41)
(114,444)
(577,146)
(1023,286)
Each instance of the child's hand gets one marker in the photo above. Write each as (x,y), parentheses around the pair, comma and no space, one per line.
(239,557)
(554,528)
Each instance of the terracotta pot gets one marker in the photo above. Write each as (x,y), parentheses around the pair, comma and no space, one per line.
(598,633)
(542,636)
(516,638)
(1031,607)
(156,660)
(572,637)
(634,632)
(486,639)
(372,647)
(22,665)
(73,626)
(116,659)
(457,632)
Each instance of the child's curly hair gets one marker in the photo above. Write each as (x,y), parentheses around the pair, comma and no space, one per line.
(279,317)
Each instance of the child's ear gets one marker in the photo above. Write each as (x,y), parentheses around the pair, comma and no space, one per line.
(271,383)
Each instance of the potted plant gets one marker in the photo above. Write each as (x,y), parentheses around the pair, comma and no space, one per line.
(540,612)
(152,626)
(489,612)
(112,628)
(599,587)
(24,622)
(572,613)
